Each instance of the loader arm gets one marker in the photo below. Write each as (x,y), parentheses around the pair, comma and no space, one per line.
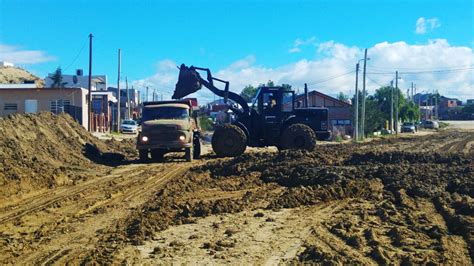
(190,81)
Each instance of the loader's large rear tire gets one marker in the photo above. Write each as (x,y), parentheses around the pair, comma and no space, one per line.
(229,141)
(298,137)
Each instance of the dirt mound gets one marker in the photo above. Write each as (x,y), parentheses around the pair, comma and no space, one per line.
(16,75)
(46,150)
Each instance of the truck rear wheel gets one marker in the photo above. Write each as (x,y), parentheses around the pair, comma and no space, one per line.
(229,141)
(299,137)
(188,154)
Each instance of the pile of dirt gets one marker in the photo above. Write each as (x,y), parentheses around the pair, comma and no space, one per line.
(46,150)
(16,75)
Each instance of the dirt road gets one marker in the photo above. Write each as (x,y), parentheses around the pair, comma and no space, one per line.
(406,199)
(64,224)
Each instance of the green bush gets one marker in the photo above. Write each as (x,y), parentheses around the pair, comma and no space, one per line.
(205,123)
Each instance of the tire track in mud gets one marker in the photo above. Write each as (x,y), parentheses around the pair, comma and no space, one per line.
(42,201)
(95,211)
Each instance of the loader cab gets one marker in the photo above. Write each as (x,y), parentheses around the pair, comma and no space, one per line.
(270,108)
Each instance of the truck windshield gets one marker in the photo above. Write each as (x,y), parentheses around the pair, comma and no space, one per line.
(165,113)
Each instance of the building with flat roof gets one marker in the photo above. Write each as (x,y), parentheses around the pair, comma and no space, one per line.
(98,82)
(56,100)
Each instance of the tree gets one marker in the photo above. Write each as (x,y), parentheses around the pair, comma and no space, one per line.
(287,87)
(57,79)
(248,93)
(409,112)
(342,97)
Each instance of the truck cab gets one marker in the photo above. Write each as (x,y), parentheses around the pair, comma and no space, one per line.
(168,126)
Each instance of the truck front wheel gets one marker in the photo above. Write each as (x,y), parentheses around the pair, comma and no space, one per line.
(229,141)
(197,148)
(188,154)
(298,137)
(143,155)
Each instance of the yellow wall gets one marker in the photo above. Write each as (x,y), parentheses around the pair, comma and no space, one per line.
(44,96)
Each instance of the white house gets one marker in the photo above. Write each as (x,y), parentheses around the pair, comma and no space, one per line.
(6,64)
(98,82)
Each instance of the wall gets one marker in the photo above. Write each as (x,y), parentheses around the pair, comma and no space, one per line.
(44,96)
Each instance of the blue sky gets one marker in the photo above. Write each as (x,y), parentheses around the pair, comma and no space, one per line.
(261,35)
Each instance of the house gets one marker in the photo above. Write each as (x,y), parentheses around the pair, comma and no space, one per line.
(339,112)
(102,110)
(98,82)
(134,96)
(27,99)
(6,64)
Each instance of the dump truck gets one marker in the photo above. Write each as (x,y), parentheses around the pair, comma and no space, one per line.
(271,120)
(169,126)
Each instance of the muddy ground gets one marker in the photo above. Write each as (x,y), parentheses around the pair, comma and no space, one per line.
(405,199)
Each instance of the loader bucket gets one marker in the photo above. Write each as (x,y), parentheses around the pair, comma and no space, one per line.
(188,82)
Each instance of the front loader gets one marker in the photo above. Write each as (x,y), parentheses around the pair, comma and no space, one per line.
(272,120)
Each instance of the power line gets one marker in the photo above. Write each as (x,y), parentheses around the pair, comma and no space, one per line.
(331,78)
(424,72)
(77,56)
(421,68)
(376,82)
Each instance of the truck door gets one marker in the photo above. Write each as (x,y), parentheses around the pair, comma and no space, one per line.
(271,116)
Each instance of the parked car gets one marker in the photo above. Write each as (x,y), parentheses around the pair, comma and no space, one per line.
(430,124)
(129,126)
(409,127)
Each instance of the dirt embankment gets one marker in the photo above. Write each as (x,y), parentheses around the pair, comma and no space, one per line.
(45,150)
(392,202)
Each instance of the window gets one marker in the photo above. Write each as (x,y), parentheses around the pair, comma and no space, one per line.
(341,122)
(10,107)
(55,107)
(287,105)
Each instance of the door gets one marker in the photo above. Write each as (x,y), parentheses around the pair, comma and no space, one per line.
(271,116)
(31,106)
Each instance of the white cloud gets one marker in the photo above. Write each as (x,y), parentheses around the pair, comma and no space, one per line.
(424,25)
(326,74)
(298,43)
(14,54)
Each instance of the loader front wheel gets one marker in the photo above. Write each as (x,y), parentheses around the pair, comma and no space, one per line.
(229,141)
(298,137)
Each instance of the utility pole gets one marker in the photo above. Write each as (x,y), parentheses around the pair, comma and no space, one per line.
(153,94)
(412,95)
(356,106)
(363,96)
(128,97)
(118,89)
(146,96)
(89,87)
(396,107)
(391,106)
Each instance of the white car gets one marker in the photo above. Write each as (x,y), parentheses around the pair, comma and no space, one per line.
(129,126)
